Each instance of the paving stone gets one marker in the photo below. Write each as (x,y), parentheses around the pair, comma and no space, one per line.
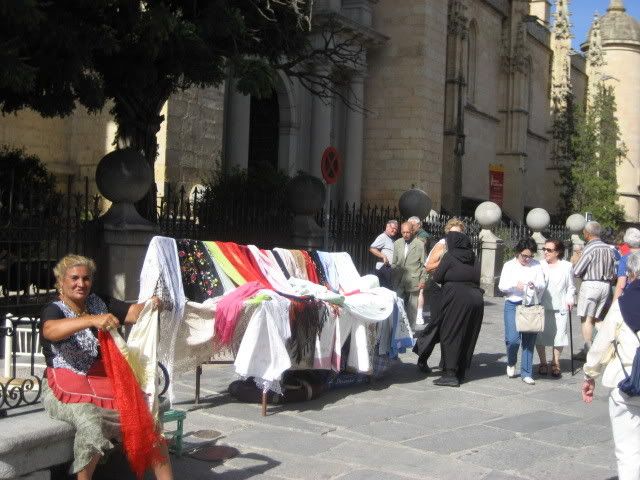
(283,440)
(511,455)
(363,414)
(370,474)
(494,475)
(532,421)
(461,439)
(400,459)
(574,435)
(567,467)
(391,431)
(447,419)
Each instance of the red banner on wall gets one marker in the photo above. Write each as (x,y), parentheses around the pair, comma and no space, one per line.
(496,184)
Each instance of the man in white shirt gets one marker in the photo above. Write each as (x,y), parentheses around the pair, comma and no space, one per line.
(382,248)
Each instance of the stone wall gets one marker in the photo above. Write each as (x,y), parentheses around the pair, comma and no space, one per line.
(194,135)
(405,95)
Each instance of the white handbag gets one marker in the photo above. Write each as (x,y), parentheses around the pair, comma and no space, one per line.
(530,318)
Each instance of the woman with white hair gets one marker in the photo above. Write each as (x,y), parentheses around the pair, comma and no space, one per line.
(631,238)
(613,351)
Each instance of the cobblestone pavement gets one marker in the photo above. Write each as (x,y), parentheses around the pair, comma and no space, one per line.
(492,427)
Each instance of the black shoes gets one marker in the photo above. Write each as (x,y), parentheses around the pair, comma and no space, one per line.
(447,380)
(424,368)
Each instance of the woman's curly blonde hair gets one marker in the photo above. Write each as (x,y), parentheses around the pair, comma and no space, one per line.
(455,222)
(70,261)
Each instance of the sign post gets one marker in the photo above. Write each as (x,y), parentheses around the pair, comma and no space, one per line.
(331,168)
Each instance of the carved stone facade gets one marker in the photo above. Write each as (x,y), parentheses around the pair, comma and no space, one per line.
(451,90)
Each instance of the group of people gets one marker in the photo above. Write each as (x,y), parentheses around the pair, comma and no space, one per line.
(608,305)
(456,304)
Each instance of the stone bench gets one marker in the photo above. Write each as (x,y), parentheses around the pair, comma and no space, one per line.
(31,441)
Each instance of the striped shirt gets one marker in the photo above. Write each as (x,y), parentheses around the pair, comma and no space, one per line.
(597,263)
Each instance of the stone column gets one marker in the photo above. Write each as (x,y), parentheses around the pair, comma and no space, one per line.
(353,154)
(488,214)
(537,220)
(123,177)
(236,130)
(321,116)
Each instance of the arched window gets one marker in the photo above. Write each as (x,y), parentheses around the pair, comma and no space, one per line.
(472,61)
(264,133)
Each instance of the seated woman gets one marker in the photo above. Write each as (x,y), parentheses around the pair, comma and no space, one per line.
(77,389)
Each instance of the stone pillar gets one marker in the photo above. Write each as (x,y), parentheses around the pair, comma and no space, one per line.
(236,130)
(488,214)
(537,220)
(321,116)
(123,177)
(353,153)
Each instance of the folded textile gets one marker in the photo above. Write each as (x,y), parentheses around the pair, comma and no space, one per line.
(322,276)
(241,263)
(306,318)
(288,261)
(325,339)
(269,267)
(310,267)
(161,276)
(330,271)
(228,309)
(224,263)
(300,265)
(302,288)
(200,278)
(348,276)
(262,353)
(281,264)
(142,346)
(140,438)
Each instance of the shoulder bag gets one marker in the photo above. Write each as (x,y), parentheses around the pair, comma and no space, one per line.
(530,318)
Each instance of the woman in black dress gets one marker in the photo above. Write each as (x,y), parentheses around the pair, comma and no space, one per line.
(462,307)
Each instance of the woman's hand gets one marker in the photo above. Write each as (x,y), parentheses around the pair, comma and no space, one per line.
(157,303)
(588,387)
(105,322)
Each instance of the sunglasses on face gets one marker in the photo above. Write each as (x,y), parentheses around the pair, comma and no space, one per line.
(549,249)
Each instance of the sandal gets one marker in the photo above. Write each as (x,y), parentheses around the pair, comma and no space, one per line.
(543,369)
(555,371)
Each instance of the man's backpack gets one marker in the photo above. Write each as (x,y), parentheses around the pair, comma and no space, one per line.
(630,385)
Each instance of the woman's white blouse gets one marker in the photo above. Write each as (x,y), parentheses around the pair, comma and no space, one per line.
(513,272)
(560,289)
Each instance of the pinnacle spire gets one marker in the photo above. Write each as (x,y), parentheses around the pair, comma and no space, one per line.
(617,6)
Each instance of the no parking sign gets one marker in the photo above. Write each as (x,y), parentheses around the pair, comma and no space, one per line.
(331,165)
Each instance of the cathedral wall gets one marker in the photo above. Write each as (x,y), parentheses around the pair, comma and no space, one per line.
(623,65)
(44,137)
(194,126)
(404,91)
(480,152)
(539,89)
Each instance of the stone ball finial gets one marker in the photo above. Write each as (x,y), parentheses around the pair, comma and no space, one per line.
(414,202)
(576,222)
(488,214)
(123,176)
(305,194)
(538,219)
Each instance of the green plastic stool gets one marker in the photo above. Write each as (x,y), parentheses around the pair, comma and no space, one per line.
(175,442)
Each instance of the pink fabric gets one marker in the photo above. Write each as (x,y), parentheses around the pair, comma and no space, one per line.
(229,308)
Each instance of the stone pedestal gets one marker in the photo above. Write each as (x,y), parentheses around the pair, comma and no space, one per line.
(575,223)
(492,255)
(492,261)
(306,196)
(120,260)
(123,177)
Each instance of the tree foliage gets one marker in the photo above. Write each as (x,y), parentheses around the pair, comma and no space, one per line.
(56,55)
(590,159)
(23,178)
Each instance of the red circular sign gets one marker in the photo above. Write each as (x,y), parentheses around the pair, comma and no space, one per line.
(331,165)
